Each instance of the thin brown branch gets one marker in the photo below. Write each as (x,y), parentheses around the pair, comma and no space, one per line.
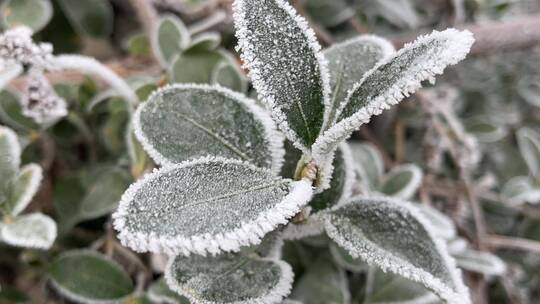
(147,15)
(499,241)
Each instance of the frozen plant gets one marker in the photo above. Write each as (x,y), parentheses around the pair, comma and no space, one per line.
(219,203)
(40,101)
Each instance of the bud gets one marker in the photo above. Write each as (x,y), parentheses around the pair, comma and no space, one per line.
(41,101)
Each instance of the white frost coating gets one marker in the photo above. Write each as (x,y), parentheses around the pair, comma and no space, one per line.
(34,230)
(253,64)
(185,37)
(14,152)
(96,68)
(250,233)
(273,136)
(350,176)
(36,175)
(313,226)
(481,262)
(17,47)
(458,45)
(275,295)
(40,101)
(374,255)
(410,188)
(8,73)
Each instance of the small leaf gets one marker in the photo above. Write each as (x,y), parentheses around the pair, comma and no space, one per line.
(159,292)
(25,187)
(33,230)
(400,13)
(10,160)
(138,45)
(393,79)
(229,75)
(402,182)
(393,235)
(388,288)
(286,66)
(171,37)
(368,164)
(520,190)
(349,61)
(11,111)
(442,225)
(8,73)
(205,42)
(481,262)
(183,122)
(484,130)
(229,278)
(85,276)
(35,14)
(323,283)
(94,18)
(529,89)
(529,146)
(329,13)
(196,66)
(207,205)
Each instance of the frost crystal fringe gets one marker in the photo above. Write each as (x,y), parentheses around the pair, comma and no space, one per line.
(36,175)
(17,47)
(457,45)
(249,233)
(273,136)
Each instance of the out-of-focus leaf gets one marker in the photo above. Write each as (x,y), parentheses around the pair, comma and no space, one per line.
(170,38)
(484,130)
(11,111)
(346,261)
(90,17)
(229,75)
(10,160)
(159,292)
(520,190)
(195,66)
(481,262)
(329,13)
(24,188)
(138,45)
(529,89)
(368,164)
(33,230)
(205,42)
(402,182)
(35,14)
(529,146)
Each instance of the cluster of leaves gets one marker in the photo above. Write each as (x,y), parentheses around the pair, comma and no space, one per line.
(258,195)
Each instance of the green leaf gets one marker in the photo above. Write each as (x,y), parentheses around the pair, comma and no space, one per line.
(94,18)
(529,89)
(368,164)
(529,146)
(195,66)
(344,260)
(323,283)
(24,188)
(11,111)
(391,80)
(137,155)
(286,66)
(138,45)
(329,13)
(35,14)
(171,37)
(183,122)
(159,292)
(207,205)
(33,230)
(205,42)
(229,278)
(10,160)
(484,130)
(9,295)
(388,288)
(442,225)
(229,75)
(520,190)
(350,60)
(402,182)
(481,262)
(85,276)
(341,185)
(393,236)
(400,13)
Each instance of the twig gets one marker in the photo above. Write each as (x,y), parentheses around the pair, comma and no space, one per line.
(499,241)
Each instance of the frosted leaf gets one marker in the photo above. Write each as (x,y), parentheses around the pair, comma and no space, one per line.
(285,65)
(204,206)
(8,73)
(388,288)
(402,182)
(322,283)
(183,122)
(520,190)
(35,14)
(169,38)
(24,188)
(196,66)
(229,75)
(41,102)
(33,230)
(159,292)
(442,226)
(392,80)
(87,277)
(229,278)
(368,164)
(481,262)
(10,160)
(529,146)
(395,237)
(346,261)
(348,61)
(205,41)
(17,47)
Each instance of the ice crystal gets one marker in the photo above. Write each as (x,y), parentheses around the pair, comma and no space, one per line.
(32,231)
(41,102)
(17,47)
(183,122)
(229,278)
(285,65)
(207,205)
(394,236)
(392,80)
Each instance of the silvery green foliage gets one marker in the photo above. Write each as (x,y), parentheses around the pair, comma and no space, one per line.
(183,122)
(368,164)
(204,206)
(33,230)
(170,37)
(286,66)
(32,13)
(393,79)
(346,261)
(24,187)
(402,181)
(41,102)
(520,190)
(481,262)
(442,226)
(395,237)
(229,278)
(9,72)
(529,145)
(10,152)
